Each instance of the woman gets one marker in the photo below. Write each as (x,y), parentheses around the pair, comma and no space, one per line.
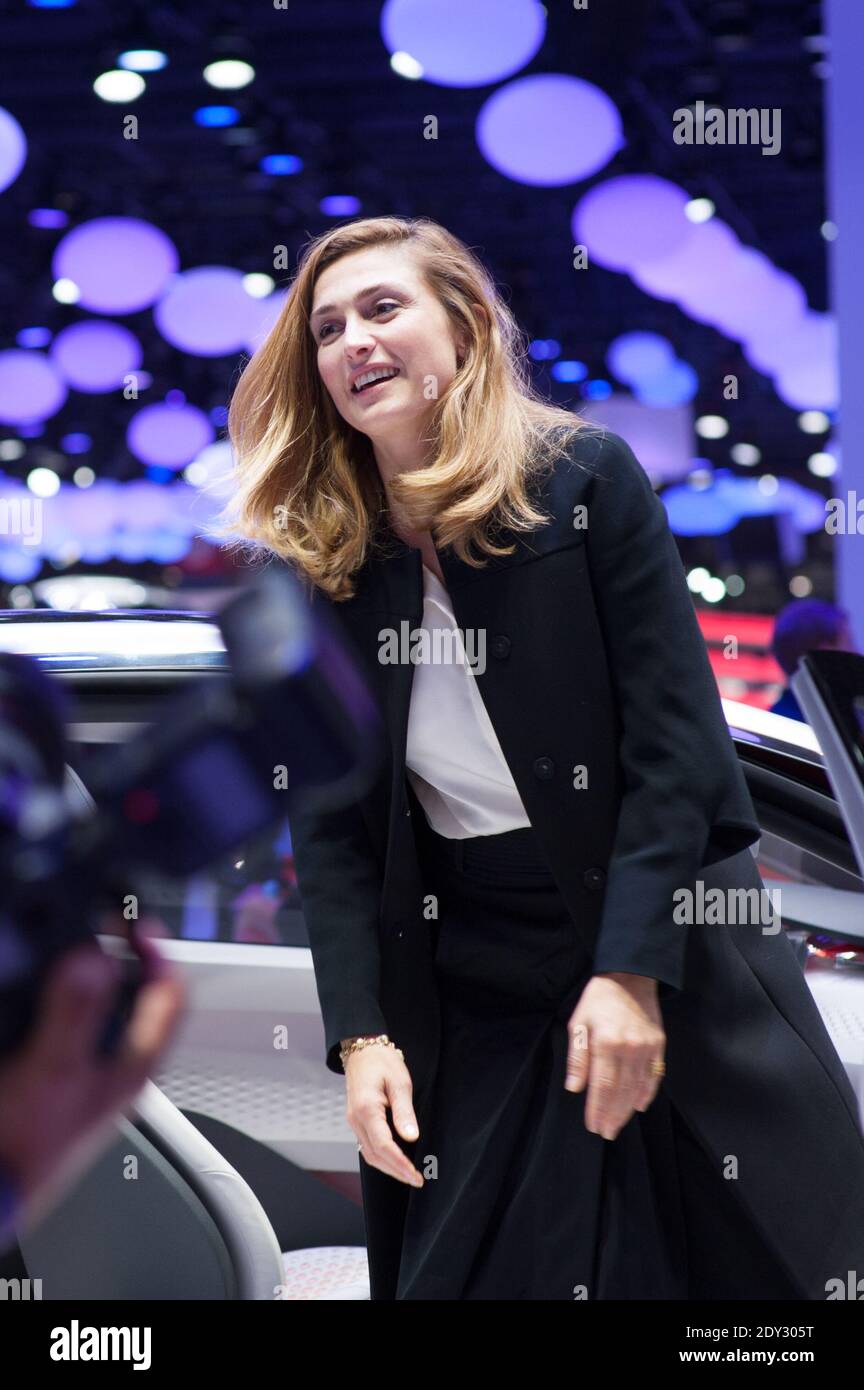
(503,975)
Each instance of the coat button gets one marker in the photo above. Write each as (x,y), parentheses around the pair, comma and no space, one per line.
(594,878)
(500,646)
(544,768)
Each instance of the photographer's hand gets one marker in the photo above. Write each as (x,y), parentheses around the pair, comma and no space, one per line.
(57,1096)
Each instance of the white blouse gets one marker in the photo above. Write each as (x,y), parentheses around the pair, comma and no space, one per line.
(453,758)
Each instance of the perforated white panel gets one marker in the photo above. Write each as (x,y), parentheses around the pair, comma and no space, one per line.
(840,998)
(334,1272)
(298,1117)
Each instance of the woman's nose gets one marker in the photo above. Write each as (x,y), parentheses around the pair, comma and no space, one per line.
(357,336)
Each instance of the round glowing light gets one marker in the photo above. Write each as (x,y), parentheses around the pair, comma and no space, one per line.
(745,454)
(207,311)
(65,291)
(47,217)
(822,464)
(83,477)
(43,482)
(713,590)
(568,369)
(697,578)
(810,340)
(18,566)
(638,356)
(213,470)
(90,514)
(745,294)
(597,390)
(168,435)
(675,386)
(699,209)
(815,383)
(76,442)
(262,319)
(340,205)
(406,66)
(229,73)
(813,422)
(544,349)
(94,356)
(711,426)
(698,260)
(167,547)
(459,45)
(143,60)
(692,512)
(31,388)
(258,284)
(33,337)
(119,85)
(13,148)
(147,505)
(216,117)
(281,164)
(630,220)
(121,264)
(800,586)
(549,129)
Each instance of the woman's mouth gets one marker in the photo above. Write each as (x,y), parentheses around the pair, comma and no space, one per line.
(371,388)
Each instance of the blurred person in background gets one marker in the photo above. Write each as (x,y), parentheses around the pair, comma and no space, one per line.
(806,625)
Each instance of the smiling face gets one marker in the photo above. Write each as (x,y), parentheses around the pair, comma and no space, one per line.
(371,309)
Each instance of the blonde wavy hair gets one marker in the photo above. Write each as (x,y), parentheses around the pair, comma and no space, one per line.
(307,485)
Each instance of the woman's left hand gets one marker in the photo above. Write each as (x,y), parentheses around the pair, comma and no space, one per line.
(615,1034)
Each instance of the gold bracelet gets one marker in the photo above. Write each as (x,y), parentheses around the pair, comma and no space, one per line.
(357,1043)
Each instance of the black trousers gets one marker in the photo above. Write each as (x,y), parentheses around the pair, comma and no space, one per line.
(521,1201)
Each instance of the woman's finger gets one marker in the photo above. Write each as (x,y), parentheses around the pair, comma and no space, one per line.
(603,1080)
(380,1148)
(578,1058)
(631,1064)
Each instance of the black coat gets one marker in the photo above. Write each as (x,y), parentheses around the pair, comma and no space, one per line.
(595,660)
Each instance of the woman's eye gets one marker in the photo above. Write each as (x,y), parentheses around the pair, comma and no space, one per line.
(383,306)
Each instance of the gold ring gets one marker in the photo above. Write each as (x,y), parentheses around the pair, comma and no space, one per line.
(658,1067)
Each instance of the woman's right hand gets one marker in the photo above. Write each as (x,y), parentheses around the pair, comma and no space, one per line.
(375,1078)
